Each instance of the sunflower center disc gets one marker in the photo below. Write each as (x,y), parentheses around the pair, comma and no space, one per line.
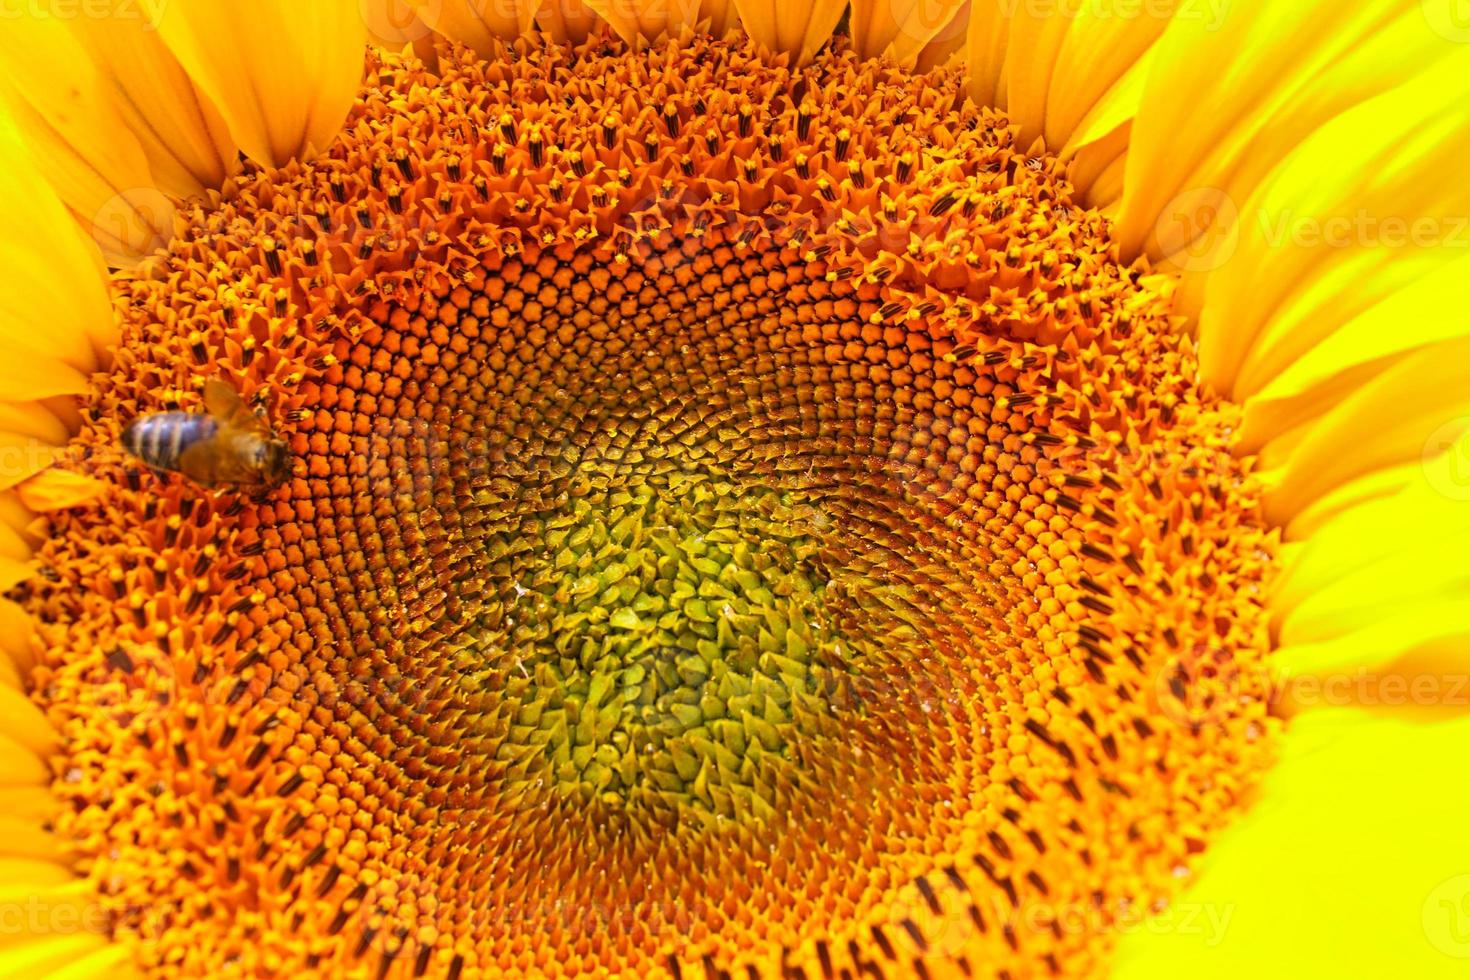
(672,596)
(744,522)
(676,641)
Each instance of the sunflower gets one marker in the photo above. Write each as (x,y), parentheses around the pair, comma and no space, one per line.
(937,489)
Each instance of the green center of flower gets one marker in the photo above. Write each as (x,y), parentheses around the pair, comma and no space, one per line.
(674,631)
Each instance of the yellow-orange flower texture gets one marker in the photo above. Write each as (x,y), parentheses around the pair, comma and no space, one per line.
(615,488)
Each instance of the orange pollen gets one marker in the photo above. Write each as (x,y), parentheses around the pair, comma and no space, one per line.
(743,523)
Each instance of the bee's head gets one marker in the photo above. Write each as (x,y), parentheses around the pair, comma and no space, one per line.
(273,460)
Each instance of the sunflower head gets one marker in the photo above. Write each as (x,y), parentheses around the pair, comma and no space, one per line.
(734,500)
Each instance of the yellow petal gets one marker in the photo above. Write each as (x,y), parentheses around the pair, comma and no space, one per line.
(32,420)
(13,572)
(19,876)
(17,635)
(1355,492)
(1095,145)
(1377,598)
(23,722)
(392,24)
(638,21)
(16,522)
(57,489)
(66,410)
(42,955)
(1422,572)
(1059,68)
(1101,66)
(721,15)
(1294,353)
(23,456)
(1277,417)
(12,545)
(66,116)
(1353,215)
(1409,663)
(1387,422)
(797,29)
(480,24)
(948,46)
(20,767)
(900,29)
(24,379)
(20,837)
(53,297)
(282,73)
(1373,531)
(1350,865)
(113,960)
(1096,166)
(36,804)
(1228,97)
(987,40)
(182,134)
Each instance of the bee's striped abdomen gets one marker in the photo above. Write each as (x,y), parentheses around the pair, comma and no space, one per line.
(159,439)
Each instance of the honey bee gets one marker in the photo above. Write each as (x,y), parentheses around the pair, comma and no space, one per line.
(226,445)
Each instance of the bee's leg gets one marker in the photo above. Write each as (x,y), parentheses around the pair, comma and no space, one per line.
(134,475)
(262,400)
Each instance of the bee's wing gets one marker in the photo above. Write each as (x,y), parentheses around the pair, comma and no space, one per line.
(201,461)
(229,409)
